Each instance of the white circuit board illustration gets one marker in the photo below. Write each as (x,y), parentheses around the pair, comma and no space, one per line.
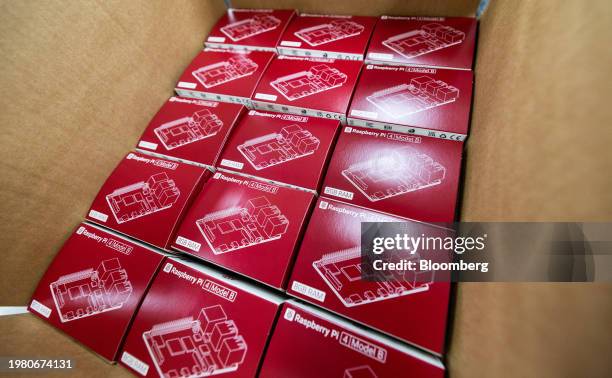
(201,125)
(431,37)
(257,24)
(143,198)
(234,68)
(257,222)
(403,171)
(420,94)
(307,83)
(91,291)
(326,33)
(341,271)
(187,347)
(292,142)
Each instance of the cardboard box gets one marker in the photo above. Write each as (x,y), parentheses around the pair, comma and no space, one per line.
(415,100)
(424,41)
(93,287)
(249,226)
(411,176)
(198,322)
(191,130)
(145,197)
(249,29)
(223,75)
(327,272)
(526,110)
(335,348)
(317,87)
(281,147)
(327,36)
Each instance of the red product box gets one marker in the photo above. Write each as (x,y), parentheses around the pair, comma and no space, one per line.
(191,130)
(410,176)
(197,322)
(339,348)
(245,224)
(327,272)
(415,100)
(93,287)
(281,147)
(250,29)
(317,87)
(327,36)
(222,75)
(145,197)
(424,41)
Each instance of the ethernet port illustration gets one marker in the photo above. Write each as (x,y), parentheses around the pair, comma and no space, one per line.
(143,198)
(317,79)
(403,171)
(341,271)
(91,291)
(201,125)
(235,228)
(364,371)
(326,33)
(234,68)
(258,24)
(291,143)
(202,347)
(431,37)
(420,94)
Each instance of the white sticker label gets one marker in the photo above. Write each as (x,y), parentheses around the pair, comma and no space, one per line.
(186,84)
(98,215)
(139,366)
(216,39)
(364,113)
(232,164)
(194,246)
(40,308)
(147,145)
(338,193)
(308,291)
(265,96)
(380,56)
(291,43)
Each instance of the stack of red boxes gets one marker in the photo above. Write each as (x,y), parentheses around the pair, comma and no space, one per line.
(230,172)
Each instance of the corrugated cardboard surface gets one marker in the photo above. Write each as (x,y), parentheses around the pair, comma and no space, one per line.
(538,151)
(81,81)
(25,336)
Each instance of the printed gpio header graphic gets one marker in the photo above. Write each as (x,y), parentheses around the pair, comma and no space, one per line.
(143,198)
(201,125)
(91,291)
(420,94)
(306,83)
(400,172)
(333,31)
(364,371)
(236,67)
(341,271)
(430,37)
(208,345)
(249,27)
(231,229)
(293,142)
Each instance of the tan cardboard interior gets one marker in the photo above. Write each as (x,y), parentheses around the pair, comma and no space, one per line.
(82,79)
